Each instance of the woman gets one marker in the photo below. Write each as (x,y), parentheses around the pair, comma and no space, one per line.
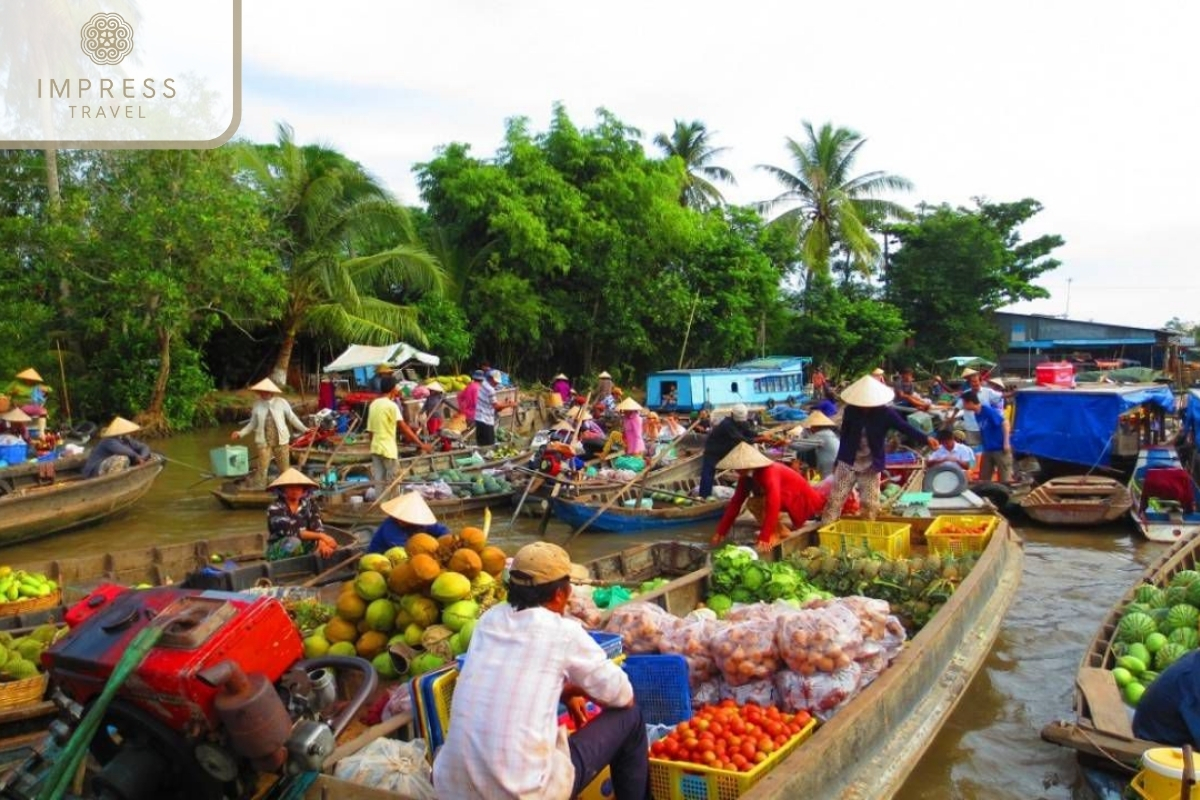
(780,487)
(822,430)
(562,387)
(431,410)
(631,427)
(407,514)
(294,526)
(117,449)
(271,417)
(12,424)
(861,456)
(29,394)
(590,434)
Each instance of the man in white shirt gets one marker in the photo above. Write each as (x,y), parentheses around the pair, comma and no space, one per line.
(987,396)
(951,451)
(486,408)
(504,740)
(271,417)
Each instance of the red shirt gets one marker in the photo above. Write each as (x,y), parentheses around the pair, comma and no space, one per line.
(467,401)
(782,489)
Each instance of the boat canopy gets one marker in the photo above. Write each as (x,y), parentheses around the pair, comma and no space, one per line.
(360,356)
(962,362)
(1191,414)
(1078,425)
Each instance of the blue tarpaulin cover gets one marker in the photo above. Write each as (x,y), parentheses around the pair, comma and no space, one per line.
(1191,414)
(1078,425)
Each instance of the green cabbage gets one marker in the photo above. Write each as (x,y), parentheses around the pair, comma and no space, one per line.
(720,604)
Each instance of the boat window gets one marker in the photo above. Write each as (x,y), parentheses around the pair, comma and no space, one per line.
(733,387)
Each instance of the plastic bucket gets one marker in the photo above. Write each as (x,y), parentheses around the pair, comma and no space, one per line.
(13,453)
(1161,777)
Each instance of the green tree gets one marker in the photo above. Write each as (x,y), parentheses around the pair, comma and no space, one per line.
(853,332)
(689,142)
(830,207)
(341,242)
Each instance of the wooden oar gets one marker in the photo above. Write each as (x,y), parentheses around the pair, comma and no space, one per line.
(336,568)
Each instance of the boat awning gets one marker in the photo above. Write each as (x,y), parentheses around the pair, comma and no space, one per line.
(1079,425)
(1191,414)
(358,356)
(1049,344)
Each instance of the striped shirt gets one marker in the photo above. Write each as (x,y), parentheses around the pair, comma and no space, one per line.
(504,740)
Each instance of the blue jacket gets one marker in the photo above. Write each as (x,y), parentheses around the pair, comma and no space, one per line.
(1169,711)
(877,422)
(394,533)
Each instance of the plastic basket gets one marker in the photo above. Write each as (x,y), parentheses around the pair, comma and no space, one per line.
(675,780)
(611,643)
(959,543)
(13,454)
(661,687)
(889,538)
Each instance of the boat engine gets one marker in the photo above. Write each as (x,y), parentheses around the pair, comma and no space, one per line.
(223,697)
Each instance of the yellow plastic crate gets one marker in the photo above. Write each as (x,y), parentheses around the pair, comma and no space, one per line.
(676,780)
(889,538)
(944,538)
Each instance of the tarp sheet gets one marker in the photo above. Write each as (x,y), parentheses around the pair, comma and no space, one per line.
(358,356)
(1191,414)
(1078,426)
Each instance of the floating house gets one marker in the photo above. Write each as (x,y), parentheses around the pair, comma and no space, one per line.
(759,382)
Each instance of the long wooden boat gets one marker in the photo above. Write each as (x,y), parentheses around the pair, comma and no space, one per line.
(657,505)
(71,501)
(341,508)
(1077,500)
(1165,498)
(1102,726)
(26,473)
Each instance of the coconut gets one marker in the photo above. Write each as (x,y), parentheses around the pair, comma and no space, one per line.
(381,615)
(473,538)
(371,585)
(420,543)
(403,579)
(351,607)
(466,562)
(450,587)
(371,644)
(425,566)
(493,559)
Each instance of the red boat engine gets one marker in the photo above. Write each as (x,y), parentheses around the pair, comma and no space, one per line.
(223,696)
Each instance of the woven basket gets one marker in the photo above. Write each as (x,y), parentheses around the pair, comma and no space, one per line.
(16,694)
(31,604)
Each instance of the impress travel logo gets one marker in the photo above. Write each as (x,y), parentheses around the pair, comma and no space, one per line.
(120,73)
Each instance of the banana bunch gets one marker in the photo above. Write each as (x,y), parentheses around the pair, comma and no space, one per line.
(21,585)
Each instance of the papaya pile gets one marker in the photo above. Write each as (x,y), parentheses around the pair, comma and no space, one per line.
(1157,628)
(21,657)
(18,585)
(451,383)
(426,594)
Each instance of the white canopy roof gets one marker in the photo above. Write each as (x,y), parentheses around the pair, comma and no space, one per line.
(363,355)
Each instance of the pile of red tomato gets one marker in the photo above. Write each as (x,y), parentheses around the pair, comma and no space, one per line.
(730,737)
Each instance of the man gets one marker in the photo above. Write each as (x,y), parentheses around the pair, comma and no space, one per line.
(907,396)
(270,420)
(987,396)
(951,451)
(726,435)
(117,449)
(504,739)
(781,487)
(383,420)
(993,433)
(1169,711)
(486,409)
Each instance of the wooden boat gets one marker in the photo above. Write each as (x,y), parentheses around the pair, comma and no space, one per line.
(1077,500)
(1165,498)
(32,509)
(1102,726)
(642,507)
(341,507)
(26,473)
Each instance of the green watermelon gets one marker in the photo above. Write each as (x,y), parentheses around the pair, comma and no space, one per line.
(1183,616)
(1168,655)
(1184,577)
(1135,627)
(1188,637)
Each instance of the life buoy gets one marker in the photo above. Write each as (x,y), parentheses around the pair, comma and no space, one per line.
(945,480)
(997,494)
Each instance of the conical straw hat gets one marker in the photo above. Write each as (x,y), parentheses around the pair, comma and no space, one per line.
(744,456)
(563,426)
(629,404)
(604,374)
(266,385)
(292,477)
(867,392)
(119,427)
(559,377)
(30,374)
(968,372)
(816,420)
(579,413)
(16,415)
(409,507)
(434,386)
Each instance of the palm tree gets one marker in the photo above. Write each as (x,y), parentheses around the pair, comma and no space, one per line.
(690,143)
(343,242)
(832,209)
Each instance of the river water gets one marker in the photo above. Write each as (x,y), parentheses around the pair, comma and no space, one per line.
(990,748)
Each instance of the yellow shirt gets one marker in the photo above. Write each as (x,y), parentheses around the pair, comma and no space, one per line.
(382,415)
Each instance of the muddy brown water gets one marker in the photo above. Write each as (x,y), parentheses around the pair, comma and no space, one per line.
(990,747)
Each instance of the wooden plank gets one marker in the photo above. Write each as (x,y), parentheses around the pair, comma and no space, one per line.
(1104,700)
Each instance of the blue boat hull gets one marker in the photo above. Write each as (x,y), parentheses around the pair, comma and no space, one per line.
(634,520)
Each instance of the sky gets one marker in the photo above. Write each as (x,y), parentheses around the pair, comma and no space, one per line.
(1091,109)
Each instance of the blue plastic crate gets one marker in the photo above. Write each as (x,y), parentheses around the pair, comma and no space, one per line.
(661,688)
(611,643)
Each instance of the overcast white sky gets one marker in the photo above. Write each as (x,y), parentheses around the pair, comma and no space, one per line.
(1091,109)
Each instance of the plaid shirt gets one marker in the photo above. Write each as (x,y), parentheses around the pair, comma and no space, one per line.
(504,740)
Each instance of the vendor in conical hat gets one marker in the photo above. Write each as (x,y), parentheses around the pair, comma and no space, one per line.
(117,449)
(861,457)
(407,514)
(780,487)
(29,393)
(631,426)
(294,526)
(271,422)
(13,422)
(819,428)
(561,386)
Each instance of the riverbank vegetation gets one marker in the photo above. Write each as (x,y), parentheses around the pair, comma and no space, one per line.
(147,279)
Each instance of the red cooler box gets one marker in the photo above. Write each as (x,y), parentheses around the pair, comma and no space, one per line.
(1056,373)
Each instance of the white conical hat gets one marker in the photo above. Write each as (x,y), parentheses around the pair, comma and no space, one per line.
(867,392)
(968,372)
(629,404)
(604,374)
(434,386)
(30,374)
(817,419)
(563,426)
(16,415)
(744,456)
(266,385)
(292,477)
(409,507)
(579,413)
(119,427)
(559,377)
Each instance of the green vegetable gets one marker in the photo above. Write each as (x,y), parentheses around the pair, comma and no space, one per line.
(1168,655)
(720,604)
(1183,616)
(1188,637)
(1135,627)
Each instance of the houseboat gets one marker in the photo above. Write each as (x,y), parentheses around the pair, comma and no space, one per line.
(761,382)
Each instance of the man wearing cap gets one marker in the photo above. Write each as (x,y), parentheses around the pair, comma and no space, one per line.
(486,409)
(781,488)
(820,433)
(270,418)
(116,450)
(407,514)
(862,454)
(294,526)
(504,739)
(993,434)
(726,435)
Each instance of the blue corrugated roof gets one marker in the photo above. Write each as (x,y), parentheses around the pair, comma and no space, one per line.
(1049,343)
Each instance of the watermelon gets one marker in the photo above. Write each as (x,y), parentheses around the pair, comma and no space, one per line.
(1193,593)
(1135,627)
(1174,595)
(1168,655)
(1188,637)
(1183,616)
(1184,577)
(1147,593)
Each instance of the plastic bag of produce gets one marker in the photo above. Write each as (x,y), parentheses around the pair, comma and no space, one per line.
(823,639)
(872,614)
(691,639)
(392,766)
(789,689)
(707,693)
(829,691)
(745,651)
(641,626)
(894,637)
(583,608)
(760,691)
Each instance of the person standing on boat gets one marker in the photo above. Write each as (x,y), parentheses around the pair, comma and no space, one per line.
(951,451)
(407,514)
(270,418)
(487,408)
(986,394)
(604,392)
(504,739)
(383,420)
(28,393)
(861,458)
(821,429)
(780,487)
(725,435)
(468,398)
(1169,710)
(431,411)
(562,387)
(631,427)
(294,526)
(117,450)
(993,433)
